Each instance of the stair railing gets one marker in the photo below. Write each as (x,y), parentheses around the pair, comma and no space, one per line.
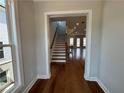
(54,37)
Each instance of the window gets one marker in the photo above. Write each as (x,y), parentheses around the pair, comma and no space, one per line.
(71,41)
(78,42)
(6,64)
(1,51)
(84,41)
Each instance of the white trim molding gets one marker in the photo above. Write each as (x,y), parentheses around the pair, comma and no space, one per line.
(102,86)
(30,85)
(88,14)
(14,35)
(34,81)
(90,78)
(99,82)
(43,76)
(48,76)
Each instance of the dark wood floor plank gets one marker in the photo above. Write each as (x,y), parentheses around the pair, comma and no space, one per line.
(95,87)
(67,78)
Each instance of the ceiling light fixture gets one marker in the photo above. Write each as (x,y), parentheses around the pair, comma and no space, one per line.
(77,24)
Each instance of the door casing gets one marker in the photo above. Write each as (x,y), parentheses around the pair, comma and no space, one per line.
(88,14)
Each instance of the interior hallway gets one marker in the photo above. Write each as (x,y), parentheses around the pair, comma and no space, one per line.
(67,78)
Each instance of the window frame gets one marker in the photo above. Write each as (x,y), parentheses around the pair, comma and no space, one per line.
(1,51)
(70,41)
(3,60)
(78,45)
(15,44)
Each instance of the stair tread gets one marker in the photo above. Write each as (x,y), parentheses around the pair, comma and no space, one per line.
(58,60)
(59,46)
(59,50)
(58,56)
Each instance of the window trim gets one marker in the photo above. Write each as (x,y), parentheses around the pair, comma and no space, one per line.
(1,51)
(78,45)
(13,26)
(70,41)
(88,14)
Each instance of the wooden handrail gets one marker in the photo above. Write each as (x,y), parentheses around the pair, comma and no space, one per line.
(54,38)
(66,46)
(2,6)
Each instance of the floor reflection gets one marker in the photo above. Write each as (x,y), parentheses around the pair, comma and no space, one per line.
(78,54)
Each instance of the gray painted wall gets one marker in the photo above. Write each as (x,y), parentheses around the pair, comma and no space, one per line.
(42,7)
(62,27)
(27,29)
(52,30)
(112,52)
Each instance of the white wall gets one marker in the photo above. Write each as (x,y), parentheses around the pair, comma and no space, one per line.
(27,29)
(112,51)
(112,54)
(42,7)
(53,26)
(62,27)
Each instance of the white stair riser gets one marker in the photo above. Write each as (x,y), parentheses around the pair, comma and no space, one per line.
(59,57)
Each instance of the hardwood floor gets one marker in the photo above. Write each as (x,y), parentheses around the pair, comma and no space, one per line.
(95,88)
(67,78)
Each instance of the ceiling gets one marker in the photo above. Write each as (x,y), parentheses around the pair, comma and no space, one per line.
(69,0)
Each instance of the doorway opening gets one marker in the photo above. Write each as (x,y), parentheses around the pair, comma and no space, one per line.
(77,41)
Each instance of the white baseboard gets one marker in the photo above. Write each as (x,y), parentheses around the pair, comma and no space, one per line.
(30,85)
(102,86)
(90,78)
(99,82)
(48,77)
(34,81)
(43,76)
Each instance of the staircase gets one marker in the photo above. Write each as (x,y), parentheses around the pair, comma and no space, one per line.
(59,49)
